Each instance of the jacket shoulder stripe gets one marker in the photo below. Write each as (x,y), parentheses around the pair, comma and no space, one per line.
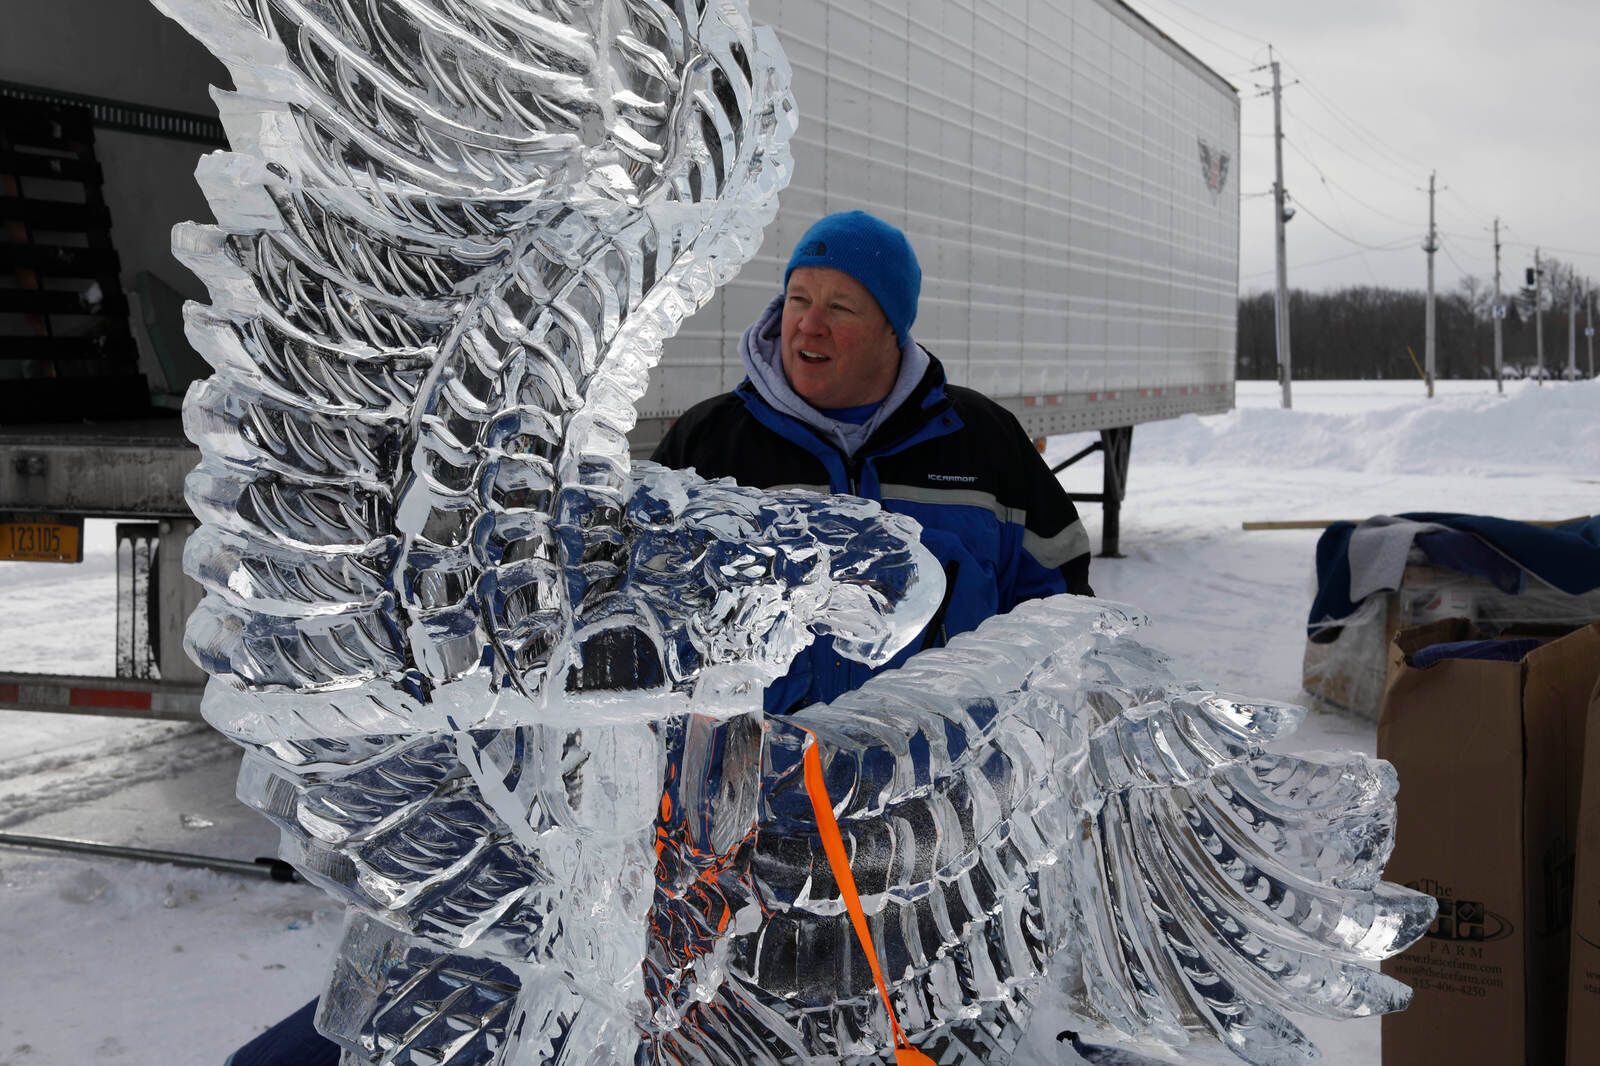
(958,497)
(1056,551)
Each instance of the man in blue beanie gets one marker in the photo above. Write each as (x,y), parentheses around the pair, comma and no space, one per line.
(840,398)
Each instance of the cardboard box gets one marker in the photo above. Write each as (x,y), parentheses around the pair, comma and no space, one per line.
(1489,756)
(1583,1000)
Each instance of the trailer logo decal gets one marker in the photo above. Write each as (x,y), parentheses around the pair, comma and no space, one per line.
(1214,168)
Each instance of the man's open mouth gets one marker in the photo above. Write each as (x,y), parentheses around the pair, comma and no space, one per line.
(812,357)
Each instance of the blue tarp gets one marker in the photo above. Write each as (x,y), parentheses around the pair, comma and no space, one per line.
(1498,549)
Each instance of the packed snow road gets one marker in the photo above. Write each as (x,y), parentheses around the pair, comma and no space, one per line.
(134,963)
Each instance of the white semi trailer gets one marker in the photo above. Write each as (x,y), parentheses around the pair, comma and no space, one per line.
(1062,167)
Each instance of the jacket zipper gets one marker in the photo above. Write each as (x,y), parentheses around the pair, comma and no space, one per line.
(853,475)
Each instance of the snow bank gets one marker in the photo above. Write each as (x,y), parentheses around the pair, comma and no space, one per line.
(1552,429)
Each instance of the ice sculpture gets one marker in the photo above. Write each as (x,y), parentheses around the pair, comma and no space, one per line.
(500,687)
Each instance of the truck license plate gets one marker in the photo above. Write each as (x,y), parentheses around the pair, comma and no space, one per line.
(41,538)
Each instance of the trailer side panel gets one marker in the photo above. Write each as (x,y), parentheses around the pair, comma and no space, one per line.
(1066,175)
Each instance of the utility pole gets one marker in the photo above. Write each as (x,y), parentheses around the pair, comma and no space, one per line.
(1588,331)
(1572,324)
(1538,315)
(1281,306)
(1499,315)
(1431,245)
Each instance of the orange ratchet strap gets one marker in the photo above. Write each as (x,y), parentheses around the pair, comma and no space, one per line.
(833,845)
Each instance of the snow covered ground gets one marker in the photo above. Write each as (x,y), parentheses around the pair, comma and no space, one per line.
(114,962)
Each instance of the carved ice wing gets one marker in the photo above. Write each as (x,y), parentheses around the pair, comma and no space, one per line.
(1042,810)
(452,235)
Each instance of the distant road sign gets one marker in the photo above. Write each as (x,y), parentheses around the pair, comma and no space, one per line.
(1588,331)
(1499,310)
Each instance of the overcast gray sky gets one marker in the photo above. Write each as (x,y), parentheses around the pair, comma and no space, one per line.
(1499,98)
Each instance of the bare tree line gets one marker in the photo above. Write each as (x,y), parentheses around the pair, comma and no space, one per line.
(1370,332)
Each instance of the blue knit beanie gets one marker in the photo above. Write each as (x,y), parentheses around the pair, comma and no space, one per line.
(875,254)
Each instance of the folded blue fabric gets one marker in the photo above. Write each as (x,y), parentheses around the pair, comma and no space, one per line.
(292,1042)
(1565,556)
(1505,651)
(1465,553)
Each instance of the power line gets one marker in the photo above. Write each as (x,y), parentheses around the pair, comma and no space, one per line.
(1366,245)
(1370,143)
(1329,186)
(1200,36)
(1375,156)
(1379,157)
(1385,171)
(1582,253)
(1219,25)
(1450,256)
(1468,204)
(1319,262)
(1349,122)
(1380,148)
(1464,218)
(1479,238)
(1394,167)
(1335,185)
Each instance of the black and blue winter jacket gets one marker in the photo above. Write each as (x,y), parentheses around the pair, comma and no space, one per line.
(960,464)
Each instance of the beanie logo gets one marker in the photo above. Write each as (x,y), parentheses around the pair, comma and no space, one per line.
(815,248)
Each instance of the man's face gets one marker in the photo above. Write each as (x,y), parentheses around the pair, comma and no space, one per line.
(838,348)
